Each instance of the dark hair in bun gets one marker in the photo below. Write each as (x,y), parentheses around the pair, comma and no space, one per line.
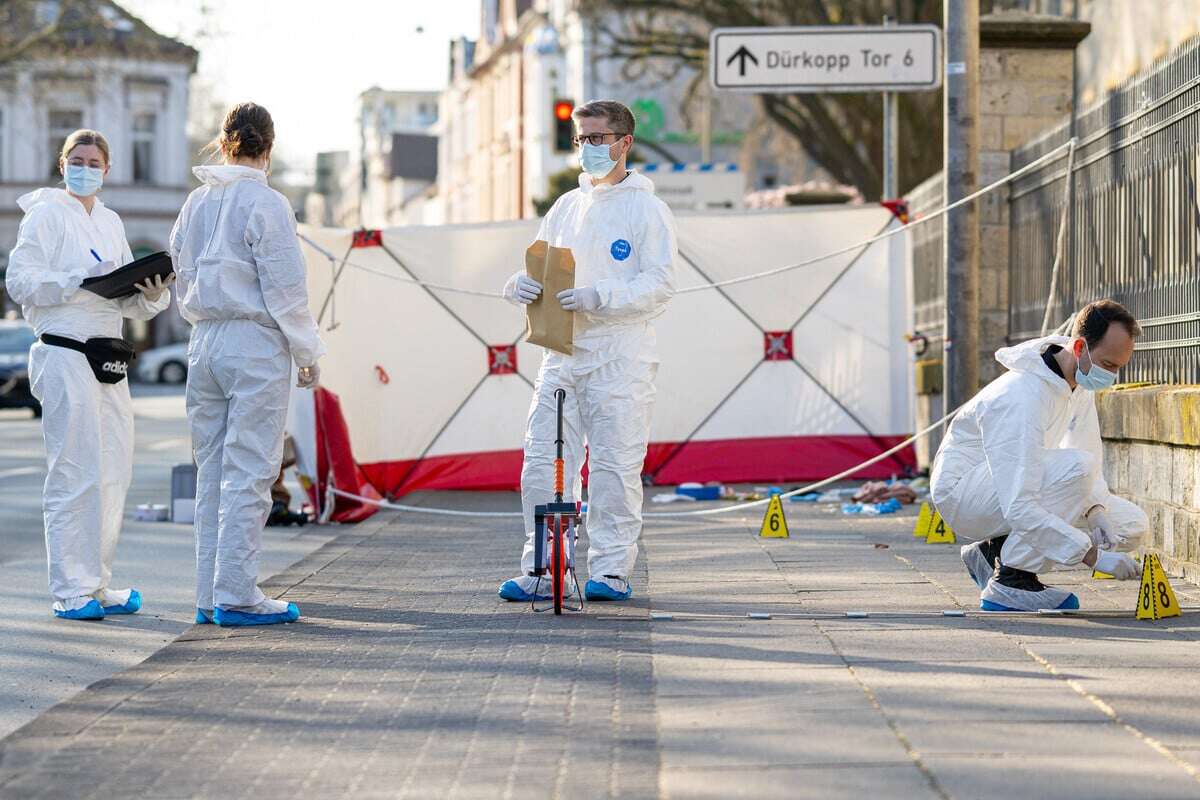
(247,132)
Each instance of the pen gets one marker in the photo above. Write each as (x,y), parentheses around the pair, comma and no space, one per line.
(97,255)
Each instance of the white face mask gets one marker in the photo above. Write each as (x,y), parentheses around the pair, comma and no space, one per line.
(83,181)
(595,159)
(1096,378)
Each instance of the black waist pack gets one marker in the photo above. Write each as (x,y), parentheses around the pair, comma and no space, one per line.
(109,358)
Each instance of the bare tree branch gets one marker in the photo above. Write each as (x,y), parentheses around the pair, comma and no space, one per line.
(22,11)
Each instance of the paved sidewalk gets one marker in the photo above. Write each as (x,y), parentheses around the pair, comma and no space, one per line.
(409,678)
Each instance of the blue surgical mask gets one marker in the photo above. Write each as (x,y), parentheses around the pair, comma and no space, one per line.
(595,160)
(83,181)
(1096,378)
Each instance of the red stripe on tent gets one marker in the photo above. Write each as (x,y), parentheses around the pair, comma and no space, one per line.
(779,459)
(335,457)
(492,471)
(774,459)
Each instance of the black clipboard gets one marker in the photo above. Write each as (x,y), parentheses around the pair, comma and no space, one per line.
(120,282)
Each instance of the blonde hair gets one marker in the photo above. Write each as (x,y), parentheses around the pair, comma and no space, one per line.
(83,136)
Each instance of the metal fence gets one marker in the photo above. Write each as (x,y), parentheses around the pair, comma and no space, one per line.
(1134,221)
(929,279)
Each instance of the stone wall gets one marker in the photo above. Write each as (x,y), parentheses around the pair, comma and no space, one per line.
(1152,457)
(1026,69)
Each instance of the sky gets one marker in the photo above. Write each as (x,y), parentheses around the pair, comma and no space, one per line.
(308,60)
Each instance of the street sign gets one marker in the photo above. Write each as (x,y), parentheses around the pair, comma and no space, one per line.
(868,58)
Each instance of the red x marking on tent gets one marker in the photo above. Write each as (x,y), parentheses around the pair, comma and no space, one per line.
(777,345)
(367,238)
(502,359)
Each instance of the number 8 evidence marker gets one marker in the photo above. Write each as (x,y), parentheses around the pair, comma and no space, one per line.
(1156,599)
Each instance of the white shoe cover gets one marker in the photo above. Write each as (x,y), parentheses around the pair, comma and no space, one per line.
(113,597)
(997,594)
(977,564)
(73,604)
(267,606)
(546,587)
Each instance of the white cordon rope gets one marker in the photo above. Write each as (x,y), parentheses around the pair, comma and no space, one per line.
(1062,231)
(705,512)
(1012,176)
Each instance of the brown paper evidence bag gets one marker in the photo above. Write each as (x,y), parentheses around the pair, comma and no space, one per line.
(547,323)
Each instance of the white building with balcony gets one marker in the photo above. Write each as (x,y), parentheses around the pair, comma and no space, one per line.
(104,69)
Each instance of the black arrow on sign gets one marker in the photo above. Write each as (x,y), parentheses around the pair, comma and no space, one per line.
(745,55)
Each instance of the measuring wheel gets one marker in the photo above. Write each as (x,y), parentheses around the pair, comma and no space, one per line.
(555,530)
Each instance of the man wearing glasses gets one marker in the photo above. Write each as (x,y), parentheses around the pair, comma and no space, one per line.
(623,241)
(1020,472)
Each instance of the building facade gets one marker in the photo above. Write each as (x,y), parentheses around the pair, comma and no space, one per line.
(386,181)
(499,151)
(128,82)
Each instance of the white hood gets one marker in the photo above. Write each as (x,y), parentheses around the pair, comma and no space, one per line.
(217,174)
(52,196)
(1027,357)
(635,182)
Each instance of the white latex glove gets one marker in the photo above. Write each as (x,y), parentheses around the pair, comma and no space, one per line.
(307,377)
(1120,565)
(1103,532)
(100,268)
(154,287)
(523,290)
(582,298)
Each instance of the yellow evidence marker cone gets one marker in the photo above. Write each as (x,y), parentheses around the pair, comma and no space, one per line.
(924,518)
(774,525)
(1156,600)
(939,531)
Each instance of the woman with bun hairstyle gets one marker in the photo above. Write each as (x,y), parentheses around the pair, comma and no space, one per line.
(77,371)
(242,287)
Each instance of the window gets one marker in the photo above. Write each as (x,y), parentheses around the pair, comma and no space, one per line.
(144,128)
(61,125)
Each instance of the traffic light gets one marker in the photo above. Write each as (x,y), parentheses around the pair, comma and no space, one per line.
(564,128)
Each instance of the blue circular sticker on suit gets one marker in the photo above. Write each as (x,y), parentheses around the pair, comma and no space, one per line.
(620,249)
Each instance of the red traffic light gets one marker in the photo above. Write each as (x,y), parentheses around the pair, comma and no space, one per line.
(562,110)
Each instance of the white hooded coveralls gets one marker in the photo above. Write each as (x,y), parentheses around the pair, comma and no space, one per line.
(1024,458)
(623,241)
(87,425)
(242,286)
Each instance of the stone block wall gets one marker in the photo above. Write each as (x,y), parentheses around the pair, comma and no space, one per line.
(1152,457)
(1026,70)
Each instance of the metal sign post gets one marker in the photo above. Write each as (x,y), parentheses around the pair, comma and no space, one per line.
(891,142)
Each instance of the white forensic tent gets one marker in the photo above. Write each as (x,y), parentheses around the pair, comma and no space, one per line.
(788,377)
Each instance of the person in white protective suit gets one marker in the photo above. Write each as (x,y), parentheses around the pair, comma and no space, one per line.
(1020,470)
(77,371)
(623,241)
(242,286)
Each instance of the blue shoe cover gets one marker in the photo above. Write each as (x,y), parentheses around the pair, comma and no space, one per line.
(130,606)
(228,618)
(204,616)
(92,610)
(514,592)
(598,590)
(1070,604)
